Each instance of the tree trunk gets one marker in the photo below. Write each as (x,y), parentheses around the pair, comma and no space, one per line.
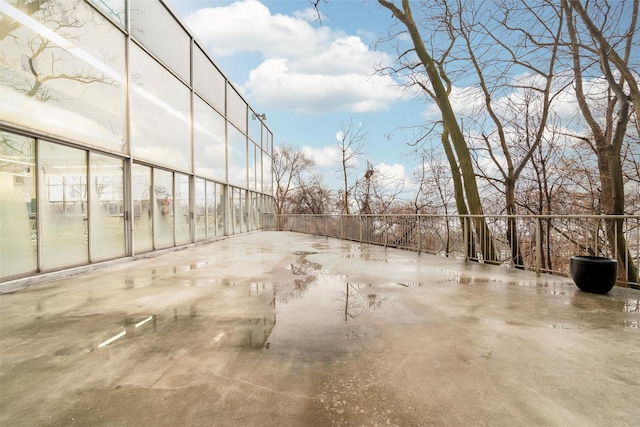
(451,124)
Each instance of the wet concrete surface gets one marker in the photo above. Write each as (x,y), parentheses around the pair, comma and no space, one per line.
(278,328)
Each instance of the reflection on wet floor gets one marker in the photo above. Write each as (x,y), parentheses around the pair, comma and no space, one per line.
(322,332)
(130,327)
(347,300)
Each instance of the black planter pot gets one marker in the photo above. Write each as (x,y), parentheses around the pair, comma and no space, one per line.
(594,274)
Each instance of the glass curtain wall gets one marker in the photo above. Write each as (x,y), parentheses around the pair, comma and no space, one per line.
(201,209)
(62,204)
(163,208)
(65,184)
(61,71)
(142,208)
(210,212)
(106,183)
(182,211)
(18,224)
(221,209)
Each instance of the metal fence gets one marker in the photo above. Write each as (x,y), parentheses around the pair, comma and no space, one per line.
(545,242)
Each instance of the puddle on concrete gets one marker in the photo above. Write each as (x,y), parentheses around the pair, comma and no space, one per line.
(315,302)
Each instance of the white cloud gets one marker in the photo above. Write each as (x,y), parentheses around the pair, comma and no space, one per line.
(393,179)
(305,69)
(325,157)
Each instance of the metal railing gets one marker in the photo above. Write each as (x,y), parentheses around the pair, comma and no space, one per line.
(545,243)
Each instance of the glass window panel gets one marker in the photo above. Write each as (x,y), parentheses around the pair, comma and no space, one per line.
(62,207)
(237,210)
(243,210)
(18,225)
(208,81)
(61,71)
(182,211)
(265,137)
(107,207)
(141,195)
(115,9)
(255,212)
(236,109)
(160,114)
(259,176)
(258,212)
(252,166)
(163,208)
(255,127)
(201,209)
(208,141)
(237,163)
(211,208)
(221,210)
(267,177)
(159,32)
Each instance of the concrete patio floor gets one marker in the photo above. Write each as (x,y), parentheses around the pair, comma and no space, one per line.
(278,328)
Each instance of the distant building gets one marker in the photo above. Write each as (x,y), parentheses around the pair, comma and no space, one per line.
(119,136)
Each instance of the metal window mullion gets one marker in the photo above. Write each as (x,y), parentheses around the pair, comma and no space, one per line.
(88,192)
(39,191)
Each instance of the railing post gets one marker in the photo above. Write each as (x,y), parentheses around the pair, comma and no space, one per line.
(465,233)
(386,230)
(538,245)
(326,225)
(418,234)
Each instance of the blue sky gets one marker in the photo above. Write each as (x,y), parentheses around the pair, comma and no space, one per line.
(307,77)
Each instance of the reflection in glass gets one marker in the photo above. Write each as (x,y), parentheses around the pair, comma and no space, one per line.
(160,110)
(107,207)
(62,206)
(221,209)
(182,210)
(259,177)
(154,26)
(18,225)
(63,60)
(269,148)
(231,217)
(252,165)
(237,157)
(201,209)
(265,138)
(267,177)
(236,109)
(236,204)
(212,210)
(141,195)
(115,9)
(208,141)
(243,211)
(255,127)
(255,211)
(163,208)
(208,81)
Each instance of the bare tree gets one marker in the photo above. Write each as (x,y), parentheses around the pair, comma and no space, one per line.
(376,192)
(43,61)
(310,197)
(352,139)
(289,166)
(437,88)
(608,136)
